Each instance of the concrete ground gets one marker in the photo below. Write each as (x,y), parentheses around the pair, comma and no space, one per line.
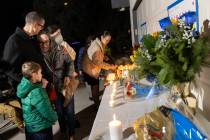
(84,112)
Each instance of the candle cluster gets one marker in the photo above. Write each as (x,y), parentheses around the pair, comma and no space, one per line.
(113,94)
(123,70)
(111,77)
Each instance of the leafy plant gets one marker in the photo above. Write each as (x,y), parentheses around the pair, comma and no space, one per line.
(174,56)
(144,56)
(180,54)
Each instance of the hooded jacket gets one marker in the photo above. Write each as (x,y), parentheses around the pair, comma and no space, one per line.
(38,113)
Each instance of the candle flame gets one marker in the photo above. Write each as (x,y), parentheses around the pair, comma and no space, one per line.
(111,77)
(114,117)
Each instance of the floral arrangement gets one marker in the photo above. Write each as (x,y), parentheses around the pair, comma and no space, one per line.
(174,55)
(180,54)
(144,56)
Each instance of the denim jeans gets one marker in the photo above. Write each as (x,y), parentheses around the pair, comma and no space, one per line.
(45,134)
(66,116)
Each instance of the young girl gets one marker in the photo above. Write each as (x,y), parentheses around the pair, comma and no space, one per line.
(38,113)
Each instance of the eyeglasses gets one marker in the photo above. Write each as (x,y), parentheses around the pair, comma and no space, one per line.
(42,26)
(44,42)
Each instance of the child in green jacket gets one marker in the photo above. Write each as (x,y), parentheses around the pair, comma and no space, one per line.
(38,113)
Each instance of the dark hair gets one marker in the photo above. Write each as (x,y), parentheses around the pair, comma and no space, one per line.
(33,17)
(106,33)
(89,39)
(28,68)
(103,34)
(52,28)
(43,32)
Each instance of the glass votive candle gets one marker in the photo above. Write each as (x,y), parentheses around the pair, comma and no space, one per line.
(114,91)
(112,96)
(111,103)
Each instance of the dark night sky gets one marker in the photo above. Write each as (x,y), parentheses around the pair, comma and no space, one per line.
(12,15)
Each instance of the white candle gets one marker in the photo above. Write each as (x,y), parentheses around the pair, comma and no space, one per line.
(111,103)
(114,91)
(115,129)
(125,74)
(112,96)
(114,85)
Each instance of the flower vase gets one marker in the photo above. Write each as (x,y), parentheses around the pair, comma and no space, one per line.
(182,90)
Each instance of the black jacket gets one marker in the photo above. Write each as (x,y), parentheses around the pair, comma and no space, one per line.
(19,48)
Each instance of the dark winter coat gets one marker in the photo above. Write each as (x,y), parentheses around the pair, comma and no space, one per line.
(19,48)
(60,63)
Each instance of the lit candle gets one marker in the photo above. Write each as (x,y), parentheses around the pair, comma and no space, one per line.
(112,96)
(111,103)
(125,73)
(115,129)
(114,85)
(114,91)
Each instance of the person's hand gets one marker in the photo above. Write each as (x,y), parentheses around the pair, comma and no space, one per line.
(44,83)
(113,67)
(74,74)
(67,80)
(106,58)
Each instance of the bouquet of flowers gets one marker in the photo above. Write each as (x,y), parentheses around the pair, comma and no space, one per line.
(174,55)
(144,56)
(181,52)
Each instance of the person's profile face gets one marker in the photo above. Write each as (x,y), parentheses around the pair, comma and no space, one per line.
(37,76)
(38,26)
(105,40)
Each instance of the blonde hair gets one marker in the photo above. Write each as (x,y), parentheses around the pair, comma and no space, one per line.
(30,67)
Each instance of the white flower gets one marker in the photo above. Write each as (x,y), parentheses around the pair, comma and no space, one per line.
(193,40)
(184,37)
(191,33)
(147,55)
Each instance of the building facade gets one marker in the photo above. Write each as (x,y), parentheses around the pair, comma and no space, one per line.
(145,14)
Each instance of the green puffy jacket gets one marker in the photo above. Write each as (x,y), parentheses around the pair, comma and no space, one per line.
(38,113)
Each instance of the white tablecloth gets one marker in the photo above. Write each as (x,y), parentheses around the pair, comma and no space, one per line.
(129,110)
(126,111)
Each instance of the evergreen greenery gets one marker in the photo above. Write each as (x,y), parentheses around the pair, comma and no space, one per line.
(176,54)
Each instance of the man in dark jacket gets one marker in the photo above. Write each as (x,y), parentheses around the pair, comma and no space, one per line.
(22,46)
